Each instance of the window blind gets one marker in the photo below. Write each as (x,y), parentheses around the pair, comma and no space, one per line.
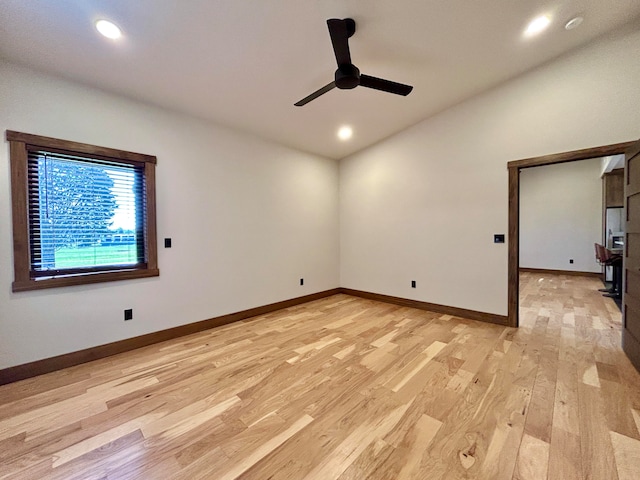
(85,214)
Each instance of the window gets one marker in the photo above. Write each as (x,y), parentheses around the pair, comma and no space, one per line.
(81,213)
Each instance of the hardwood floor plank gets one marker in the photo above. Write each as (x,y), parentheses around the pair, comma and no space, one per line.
(110,457)
(565,462)
(203,447)
(418,441)
(565,408)
(636,418)
(595,443)
(178,426)
(384,339)
(372,463)
(347,388)
(26,469)
(540,416)
(412,369)
(265,449)
(50,417)
(533,459)
(627,453)
(356,443)
(618,413)
(212,460)
(97,441)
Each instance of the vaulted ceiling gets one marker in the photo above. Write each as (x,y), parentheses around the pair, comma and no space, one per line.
(244,63)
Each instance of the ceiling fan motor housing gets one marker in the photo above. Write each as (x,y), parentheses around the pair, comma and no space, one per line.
(347,76)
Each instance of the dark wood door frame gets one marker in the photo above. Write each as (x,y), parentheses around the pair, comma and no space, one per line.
(514,209)
(631,276)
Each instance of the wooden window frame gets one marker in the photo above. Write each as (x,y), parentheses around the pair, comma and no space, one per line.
(19,143)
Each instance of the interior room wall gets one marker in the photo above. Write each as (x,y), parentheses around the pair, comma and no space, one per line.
(247,219)
(561,216)
(424,205)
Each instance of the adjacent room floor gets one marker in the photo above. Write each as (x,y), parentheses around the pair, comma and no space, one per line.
(347,388)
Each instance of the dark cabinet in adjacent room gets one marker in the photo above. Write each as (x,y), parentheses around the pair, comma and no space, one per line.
(614,188)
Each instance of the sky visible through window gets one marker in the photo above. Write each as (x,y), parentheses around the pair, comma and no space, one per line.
(125,215)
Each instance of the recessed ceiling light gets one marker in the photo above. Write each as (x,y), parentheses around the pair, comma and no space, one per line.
(537,25)
(573,23)
(345,133)
(108,29)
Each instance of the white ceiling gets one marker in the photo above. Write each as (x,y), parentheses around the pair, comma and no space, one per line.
(243,63)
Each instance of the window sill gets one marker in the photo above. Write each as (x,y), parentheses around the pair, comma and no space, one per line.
(83,279)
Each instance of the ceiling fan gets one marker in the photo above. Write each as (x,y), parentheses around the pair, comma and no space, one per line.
(347,75)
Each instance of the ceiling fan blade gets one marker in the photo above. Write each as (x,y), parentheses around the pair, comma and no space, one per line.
(316,94)
(385,85)
(340,31)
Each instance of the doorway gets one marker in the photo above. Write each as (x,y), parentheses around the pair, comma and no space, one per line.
(514,168)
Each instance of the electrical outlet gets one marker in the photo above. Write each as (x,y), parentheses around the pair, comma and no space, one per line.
(571,260)
(128,314)
(302,281)
(413,284)
(167,243)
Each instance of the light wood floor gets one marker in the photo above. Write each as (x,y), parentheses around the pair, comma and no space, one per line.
(347,388)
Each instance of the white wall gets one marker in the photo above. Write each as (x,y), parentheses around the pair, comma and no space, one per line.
(424,204)
(248,219)
(561,216)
